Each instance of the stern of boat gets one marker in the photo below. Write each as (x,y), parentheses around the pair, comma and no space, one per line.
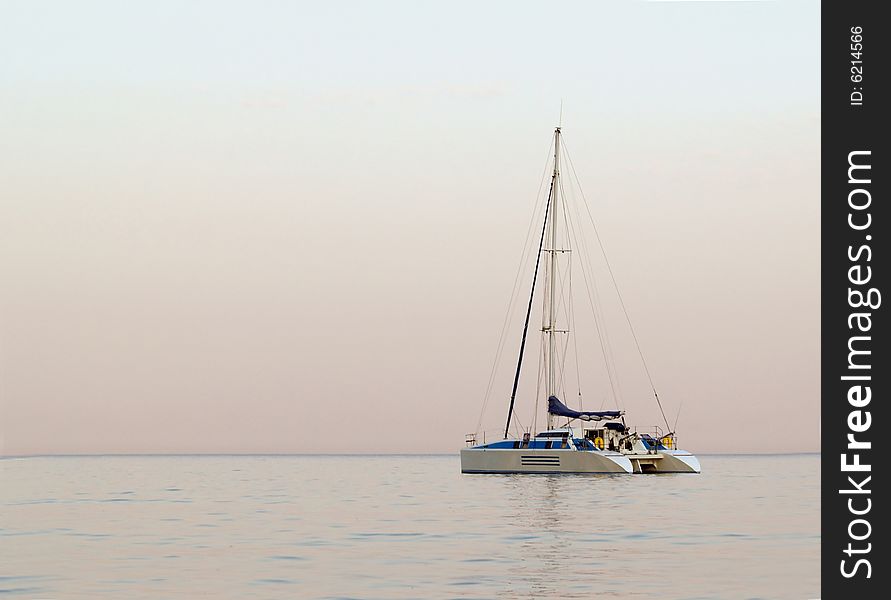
(665,461)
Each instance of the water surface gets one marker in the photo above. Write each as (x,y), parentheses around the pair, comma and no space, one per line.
(403,527)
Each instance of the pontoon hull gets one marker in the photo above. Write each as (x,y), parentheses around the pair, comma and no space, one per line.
(665,461)
(491,460)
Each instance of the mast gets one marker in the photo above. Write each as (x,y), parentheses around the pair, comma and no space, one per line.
(551,316)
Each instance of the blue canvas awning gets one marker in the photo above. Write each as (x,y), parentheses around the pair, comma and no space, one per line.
(555,407)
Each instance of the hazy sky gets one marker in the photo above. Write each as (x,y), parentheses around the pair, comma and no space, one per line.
(294,226)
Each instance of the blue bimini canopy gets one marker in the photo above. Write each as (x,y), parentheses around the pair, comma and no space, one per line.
(555,407)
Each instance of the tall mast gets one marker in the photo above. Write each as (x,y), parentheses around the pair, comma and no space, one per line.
(551,318)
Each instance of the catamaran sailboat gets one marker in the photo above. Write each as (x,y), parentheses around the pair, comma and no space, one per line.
(601,441)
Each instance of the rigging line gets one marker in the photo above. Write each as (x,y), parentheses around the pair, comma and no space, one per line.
(515,289)
(616,285)
(675,428)
(542,355)
(560,366)
(542,364)
(513,394)
(602,335)
(594,296)
(567,223)
(561,300)
(575,352)
(572,323)
(562,281)
(609,356)
(538,384)
(514,295)
(518,425)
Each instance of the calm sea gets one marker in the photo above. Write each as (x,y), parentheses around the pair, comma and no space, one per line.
(403,527)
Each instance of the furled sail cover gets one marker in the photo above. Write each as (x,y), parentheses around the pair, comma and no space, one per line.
(555,407)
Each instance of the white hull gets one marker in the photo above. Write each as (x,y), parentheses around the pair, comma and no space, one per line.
(665,461)
(529,460)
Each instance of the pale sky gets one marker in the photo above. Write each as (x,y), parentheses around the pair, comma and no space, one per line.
(294,226)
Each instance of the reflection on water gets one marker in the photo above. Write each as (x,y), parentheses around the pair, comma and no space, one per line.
(403,527)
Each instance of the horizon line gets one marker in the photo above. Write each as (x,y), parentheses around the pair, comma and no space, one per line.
(320,454)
